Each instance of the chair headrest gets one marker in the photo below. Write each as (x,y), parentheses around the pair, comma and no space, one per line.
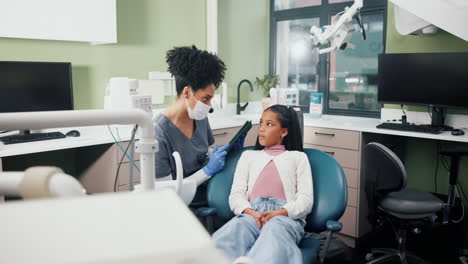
(383,169)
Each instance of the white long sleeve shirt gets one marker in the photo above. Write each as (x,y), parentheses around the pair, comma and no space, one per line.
(295,173)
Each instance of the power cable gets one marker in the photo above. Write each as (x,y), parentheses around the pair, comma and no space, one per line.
(124,155)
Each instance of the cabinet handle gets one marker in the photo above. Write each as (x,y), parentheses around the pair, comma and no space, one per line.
(325,134)
(330,152)
(220,134)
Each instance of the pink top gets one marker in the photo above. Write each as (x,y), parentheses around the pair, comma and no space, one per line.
(269,183)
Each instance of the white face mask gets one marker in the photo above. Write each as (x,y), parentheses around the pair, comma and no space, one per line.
(200,111)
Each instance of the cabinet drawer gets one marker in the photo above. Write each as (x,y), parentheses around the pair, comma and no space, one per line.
(345,157)
(222,136)
(349,221)
(351,177)
(331,137)
(352,197)
(136,156)
(124,174)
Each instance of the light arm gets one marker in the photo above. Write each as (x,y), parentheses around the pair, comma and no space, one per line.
(40,182)
(339,33)
(146,146)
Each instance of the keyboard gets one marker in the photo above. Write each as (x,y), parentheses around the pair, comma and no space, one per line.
(31,137)
(412,128)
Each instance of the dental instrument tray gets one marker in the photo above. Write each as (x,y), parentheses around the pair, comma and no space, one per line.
(243,130)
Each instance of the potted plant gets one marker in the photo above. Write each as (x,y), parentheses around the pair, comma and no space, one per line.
(266,83)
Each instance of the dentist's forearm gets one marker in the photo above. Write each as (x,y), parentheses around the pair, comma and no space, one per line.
(199,177)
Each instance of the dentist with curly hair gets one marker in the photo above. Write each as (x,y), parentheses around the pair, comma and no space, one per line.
(184,126)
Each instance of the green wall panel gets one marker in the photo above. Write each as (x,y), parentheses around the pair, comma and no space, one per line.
(243,43)
(146,29)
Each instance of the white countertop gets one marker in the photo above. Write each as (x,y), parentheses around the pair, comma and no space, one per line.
(100,134)
(90,136)
(368,125)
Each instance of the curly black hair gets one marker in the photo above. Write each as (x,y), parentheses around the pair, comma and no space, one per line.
(195,68)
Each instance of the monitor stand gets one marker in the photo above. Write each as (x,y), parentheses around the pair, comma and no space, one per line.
(438,117)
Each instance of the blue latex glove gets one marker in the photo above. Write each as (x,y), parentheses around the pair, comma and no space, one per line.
(216,162)
(239,142)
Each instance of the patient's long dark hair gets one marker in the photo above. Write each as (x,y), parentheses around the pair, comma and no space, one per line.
(288,119)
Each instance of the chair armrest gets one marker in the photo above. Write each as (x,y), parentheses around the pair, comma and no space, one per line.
(333,226)
(205,211)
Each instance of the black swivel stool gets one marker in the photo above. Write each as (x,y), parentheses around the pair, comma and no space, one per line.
(389,199)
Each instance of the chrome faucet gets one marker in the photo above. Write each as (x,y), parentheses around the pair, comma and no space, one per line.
(240,108)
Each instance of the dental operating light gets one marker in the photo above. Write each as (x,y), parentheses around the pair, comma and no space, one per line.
(338,34)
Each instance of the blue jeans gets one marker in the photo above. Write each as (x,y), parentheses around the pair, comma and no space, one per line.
(276,242)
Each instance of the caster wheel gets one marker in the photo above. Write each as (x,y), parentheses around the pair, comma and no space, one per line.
(369,256)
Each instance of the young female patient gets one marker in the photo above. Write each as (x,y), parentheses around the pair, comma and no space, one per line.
(271,195)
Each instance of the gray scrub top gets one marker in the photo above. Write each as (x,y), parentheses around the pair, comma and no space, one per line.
(193,152)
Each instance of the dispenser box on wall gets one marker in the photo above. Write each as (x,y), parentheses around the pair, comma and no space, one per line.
(155,88)
(164,79)
(119,91)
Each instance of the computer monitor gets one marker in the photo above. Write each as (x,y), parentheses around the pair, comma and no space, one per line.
(35,86)
(438,80)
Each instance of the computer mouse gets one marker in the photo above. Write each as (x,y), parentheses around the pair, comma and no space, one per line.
(73,133)
(458,132)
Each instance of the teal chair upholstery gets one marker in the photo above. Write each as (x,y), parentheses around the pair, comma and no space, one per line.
(330,198)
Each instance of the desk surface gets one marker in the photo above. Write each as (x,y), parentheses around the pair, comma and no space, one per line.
(369,125)
(90,136)
(97,135)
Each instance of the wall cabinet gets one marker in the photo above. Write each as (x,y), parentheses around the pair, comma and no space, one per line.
(70,20)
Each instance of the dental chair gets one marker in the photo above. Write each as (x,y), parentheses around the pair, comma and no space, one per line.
(330,198)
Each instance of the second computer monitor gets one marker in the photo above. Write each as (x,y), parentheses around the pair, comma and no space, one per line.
(434,79)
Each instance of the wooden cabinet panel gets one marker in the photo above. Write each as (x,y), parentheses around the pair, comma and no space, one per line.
(352,177)
(352,197)
(136,156)
(222,136)
(251,137)
(349,221)
(124,173)
(344,146)
(99,177)
(345,157)
(332,137)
